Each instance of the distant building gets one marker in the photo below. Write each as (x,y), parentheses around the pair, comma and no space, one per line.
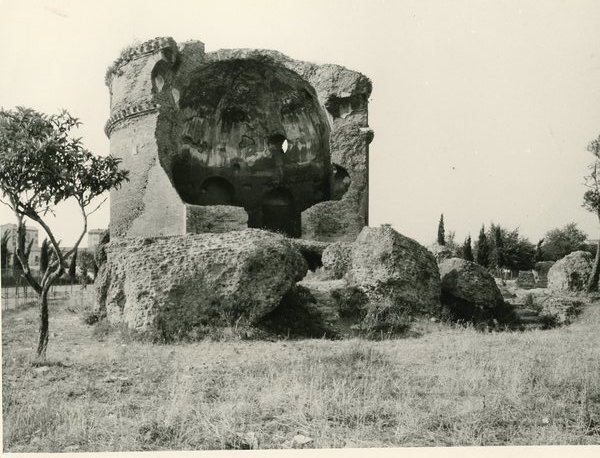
(94,237)
(31,234)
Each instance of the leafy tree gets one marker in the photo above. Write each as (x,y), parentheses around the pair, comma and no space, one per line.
(483,249)
(518,253)
(495,236)
(591,202)
(41,166)
(441,240)
(467,251)
(509,250)
(560,242)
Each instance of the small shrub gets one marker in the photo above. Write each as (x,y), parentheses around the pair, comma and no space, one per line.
(549,321)
(91,318)
(351,302)
(155,434)
(102,329)
(384,320)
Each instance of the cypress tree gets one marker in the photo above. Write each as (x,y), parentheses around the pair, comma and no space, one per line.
(4,249)
(467,250)
(441,237)
(483,249)
(498,257)
(72,267)
(44,257)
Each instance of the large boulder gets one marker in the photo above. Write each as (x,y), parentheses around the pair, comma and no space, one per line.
(470,293)
(394,269)
(571,273)
(336,259)
(181,285)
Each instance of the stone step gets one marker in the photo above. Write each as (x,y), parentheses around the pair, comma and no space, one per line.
(530,326)
(530,319)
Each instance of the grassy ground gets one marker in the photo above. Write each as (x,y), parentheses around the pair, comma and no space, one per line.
(451,386)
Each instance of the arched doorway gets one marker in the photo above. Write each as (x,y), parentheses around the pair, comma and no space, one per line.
(279,213)
(217,191)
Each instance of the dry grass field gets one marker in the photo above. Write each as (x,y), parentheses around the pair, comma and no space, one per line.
(104,391)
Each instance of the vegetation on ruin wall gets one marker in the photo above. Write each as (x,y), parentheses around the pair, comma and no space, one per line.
(126,53)
(453,386)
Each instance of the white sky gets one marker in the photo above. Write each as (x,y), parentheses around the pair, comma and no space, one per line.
(481,110)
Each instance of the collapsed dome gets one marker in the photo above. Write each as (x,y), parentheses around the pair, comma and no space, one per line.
(252,133)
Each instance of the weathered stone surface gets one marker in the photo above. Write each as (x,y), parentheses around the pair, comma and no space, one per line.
(345,311)
(441,252)
(336,259)
(174,286)
(331,221)
(571,273)
(559,310)
(239,127)
(390,267)
(215,218)
(526,279)
(312,250)
(470,292)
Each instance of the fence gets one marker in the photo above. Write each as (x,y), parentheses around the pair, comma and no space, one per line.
(16,292)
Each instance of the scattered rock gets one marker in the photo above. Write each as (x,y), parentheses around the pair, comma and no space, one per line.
(332,221)
(42,370)
(242,441)
(571,273)
(336,258)
(392,268)
(171,287)
(470,292)
(559,310)
(301,441)
(215,218)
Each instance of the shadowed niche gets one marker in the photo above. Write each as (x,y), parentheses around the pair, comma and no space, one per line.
(279,213)
(246,127)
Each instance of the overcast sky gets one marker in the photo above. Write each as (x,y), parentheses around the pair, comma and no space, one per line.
(481,110)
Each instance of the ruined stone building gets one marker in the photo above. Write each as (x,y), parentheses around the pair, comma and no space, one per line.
(237,138)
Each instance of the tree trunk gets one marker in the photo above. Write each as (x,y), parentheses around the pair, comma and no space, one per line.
(593,281)
(44,328)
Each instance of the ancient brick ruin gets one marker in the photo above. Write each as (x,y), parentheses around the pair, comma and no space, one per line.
(237,138)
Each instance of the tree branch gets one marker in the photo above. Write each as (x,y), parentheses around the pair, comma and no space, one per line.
(74,249)
(20,252)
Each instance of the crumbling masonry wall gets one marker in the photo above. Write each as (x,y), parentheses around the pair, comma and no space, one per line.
(235,138)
